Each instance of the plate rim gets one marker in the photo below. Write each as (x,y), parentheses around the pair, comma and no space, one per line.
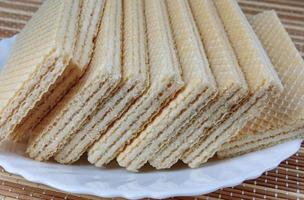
(156,194)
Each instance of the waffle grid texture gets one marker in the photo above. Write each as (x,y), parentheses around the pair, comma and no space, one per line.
(30,67)
(284,182)
(282,117)
(230,81)
(98,82)
(258,72)
(135,74)
(166,80)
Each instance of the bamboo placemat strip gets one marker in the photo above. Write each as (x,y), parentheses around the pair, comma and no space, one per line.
(23,2)
(14,14)
(25,7)
(284,182)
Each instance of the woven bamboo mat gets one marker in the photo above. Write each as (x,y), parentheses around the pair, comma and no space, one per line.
(284,182)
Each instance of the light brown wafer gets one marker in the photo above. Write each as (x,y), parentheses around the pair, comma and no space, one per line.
(225,129)
(89,20)
(260,141)
(282,117)
(42,52)
(245,143)
(135,81)
(165,82)
(259,73)
(23,131)
(200,89)
(231,84)
(102,77)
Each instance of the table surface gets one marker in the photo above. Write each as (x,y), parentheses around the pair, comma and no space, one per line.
(284,182)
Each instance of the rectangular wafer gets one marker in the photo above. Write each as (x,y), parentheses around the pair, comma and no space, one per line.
(134,83)
(199,90)
(89,20)
(102,77)
(41,54)
(282,117)
(257,142)
(262,80)
(166,81)
(230,80)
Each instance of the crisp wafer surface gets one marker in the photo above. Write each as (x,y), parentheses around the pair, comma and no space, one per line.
(230,80)
(284,182)
(88,22)
(165,82)
(22,132)
(134,83)
(198,91)
(99,81)
(282,117)
(287,107)
(259,73)
(35,51)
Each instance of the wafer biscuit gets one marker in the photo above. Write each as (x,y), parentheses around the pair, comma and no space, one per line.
(200,88)
(166,80)
(282,117)
(22,132)
(224,129)
(262,80)
(260,141)
(90,15)
(40,55)
(89,22)
(135,81)
(231,83)
(99,81)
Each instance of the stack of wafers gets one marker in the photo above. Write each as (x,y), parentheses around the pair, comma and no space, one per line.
(150,82)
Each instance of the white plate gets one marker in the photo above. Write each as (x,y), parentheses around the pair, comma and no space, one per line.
(83,178)
(117,182)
